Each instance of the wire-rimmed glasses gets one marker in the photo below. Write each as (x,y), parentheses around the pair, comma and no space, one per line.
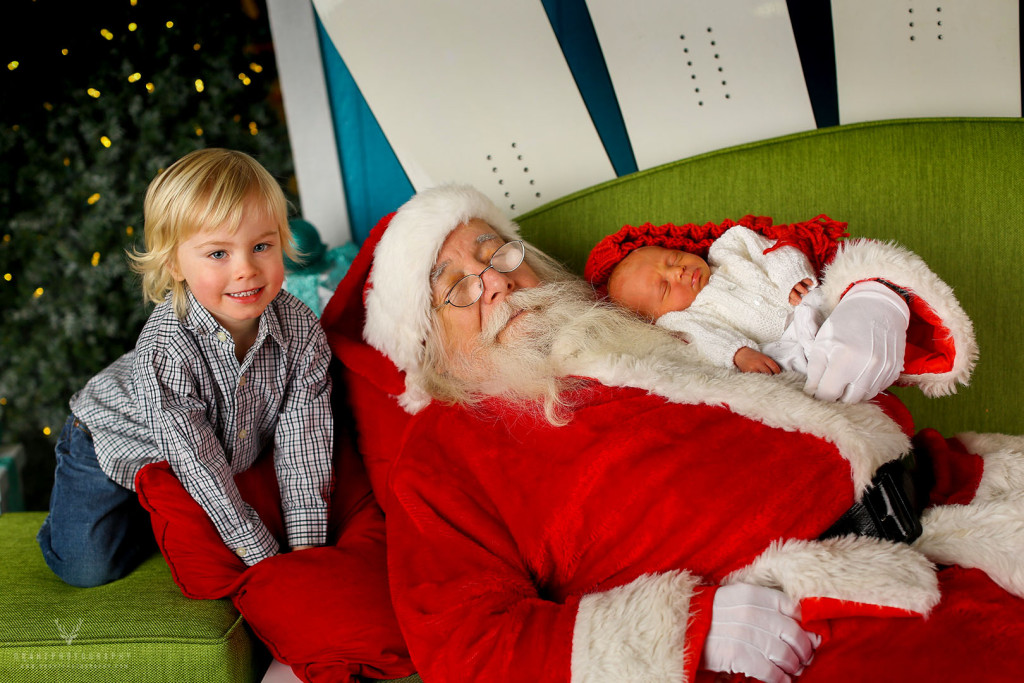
(468,290)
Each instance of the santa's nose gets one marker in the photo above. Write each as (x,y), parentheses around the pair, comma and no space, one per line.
(496,285)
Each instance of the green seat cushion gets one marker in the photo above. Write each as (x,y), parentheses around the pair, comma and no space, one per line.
(140,628)
(952,190)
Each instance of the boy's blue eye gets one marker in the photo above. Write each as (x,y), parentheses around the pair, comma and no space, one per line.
(218,255)
(261,247)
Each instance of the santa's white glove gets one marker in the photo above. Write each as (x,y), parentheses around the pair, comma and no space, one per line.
(755,631)
(859,349)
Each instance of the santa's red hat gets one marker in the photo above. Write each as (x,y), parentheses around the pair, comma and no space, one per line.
(397,295)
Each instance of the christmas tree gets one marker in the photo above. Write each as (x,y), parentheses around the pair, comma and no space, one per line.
(99,97)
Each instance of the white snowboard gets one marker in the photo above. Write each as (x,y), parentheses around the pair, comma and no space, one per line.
(939,58)
(472,91)
(693,76)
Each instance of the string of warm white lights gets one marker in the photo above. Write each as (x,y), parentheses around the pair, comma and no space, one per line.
(130,35)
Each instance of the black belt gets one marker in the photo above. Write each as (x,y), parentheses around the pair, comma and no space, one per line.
(891,506)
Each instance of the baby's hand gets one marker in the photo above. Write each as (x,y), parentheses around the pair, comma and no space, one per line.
(799,290)
(749,360)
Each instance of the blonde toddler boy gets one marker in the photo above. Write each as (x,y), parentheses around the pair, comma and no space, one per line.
(227,367)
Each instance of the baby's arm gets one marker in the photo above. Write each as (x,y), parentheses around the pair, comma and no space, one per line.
(707,333)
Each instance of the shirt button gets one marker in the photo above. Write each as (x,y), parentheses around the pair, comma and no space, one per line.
(221,336)
(240,552)
(242,380)
(242,433)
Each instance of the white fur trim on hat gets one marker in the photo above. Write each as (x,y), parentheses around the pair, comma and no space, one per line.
(398,297)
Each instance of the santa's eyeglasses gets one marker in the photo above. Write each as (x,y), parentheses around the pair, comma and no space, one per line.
(468,290)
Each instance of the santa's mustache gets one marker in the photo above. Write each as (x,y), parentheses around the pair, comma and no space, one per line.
(500,317)
(521,301)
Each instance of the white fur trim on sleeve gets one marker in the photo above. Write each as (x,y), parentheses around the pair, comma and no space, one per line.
(1003,475)
(863,259)
(988,533)
(851,568)
(986,536)
(636,632)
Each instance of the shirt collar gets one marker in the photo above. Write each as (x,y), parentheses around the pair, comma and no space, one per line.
(201,321)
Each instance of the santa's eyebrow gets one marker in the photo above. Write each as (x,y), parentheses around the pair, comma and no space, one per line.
(436,273)
(438,270)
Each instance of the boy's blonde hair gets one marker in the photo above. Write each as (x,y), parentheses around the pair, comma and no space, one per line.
(204,190)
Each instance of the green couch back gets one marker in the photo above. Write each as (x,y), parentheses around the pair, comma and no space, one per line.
(951,190)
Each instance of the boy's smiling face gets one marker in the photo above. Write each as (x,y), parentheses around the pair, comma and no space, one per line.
(234,275)
(654,281)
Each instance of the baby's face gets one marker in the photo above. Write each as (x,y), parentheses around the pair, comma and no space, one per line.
(654,281)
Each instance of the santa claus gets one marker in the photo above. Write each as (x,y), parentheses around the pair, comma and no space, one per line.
(572,494)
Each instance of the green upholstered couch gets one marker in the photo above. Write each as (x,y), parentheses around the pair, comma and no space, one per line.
(138,629)
(950,189)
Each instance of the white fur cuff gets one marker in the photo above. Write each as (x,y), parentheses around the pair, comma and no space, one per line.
(863,259)
(635,632)
(988,533)
(851,568)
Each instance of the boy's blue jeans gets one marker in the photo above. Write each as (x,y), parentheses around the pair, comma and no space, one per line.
(96,531)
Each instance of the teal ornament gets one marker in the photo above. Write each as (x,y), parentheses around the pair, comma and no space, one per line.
(314,275)
(311,249)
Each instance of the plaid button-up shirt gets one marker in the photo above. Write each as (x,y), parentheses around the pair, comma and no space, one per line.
(182,396)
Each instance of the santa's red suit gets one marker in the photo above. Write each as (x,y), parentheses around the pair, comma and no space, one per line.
(518,550)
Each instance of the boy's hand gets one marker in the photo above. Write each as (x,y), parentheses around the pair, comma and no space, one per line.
(302,547)
(749,360)
(800,289)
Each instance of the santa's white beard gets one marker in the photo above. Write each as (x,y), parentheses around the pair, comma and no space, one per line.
(536,343)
